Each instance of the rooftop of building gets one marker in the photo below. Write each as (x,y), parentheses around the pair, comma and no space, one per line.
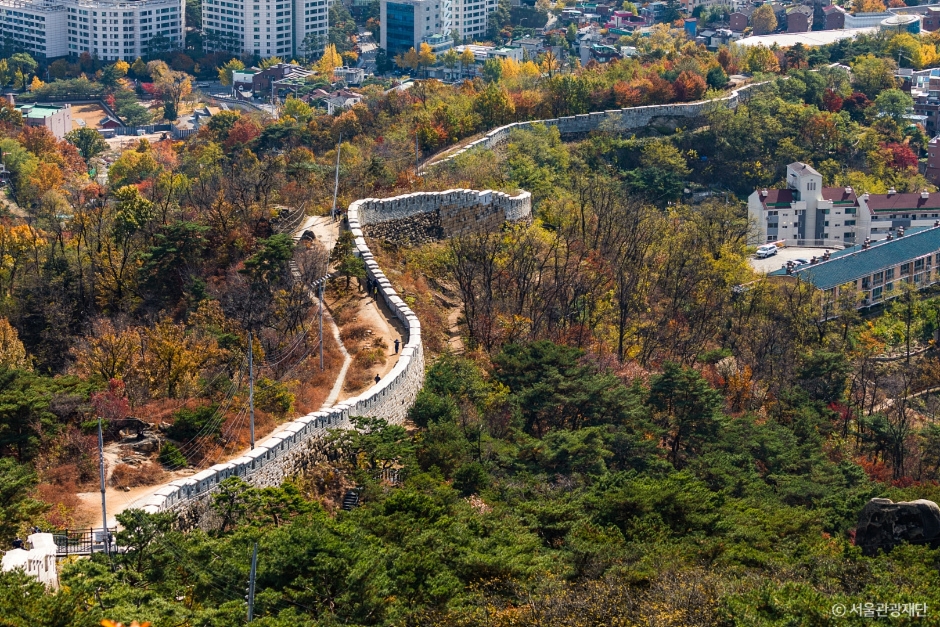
(812,38)
(848,265)
(803,168)
(903,202)
(800,9)
(38,112)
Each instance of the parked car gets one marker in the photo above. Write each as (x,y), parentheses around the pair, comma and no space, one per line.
(767,250)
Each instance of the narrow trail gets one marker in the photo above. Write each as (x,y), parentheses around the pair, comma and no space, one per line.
(326,232)
(119,500)
(337,388)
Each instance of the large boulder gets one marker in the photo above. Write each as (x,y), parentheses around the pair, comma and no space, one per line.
(883,524)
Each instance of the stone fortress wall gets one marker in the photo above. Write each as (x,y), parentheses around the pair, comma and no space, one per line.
(617,120)
(431,216)
(300,443)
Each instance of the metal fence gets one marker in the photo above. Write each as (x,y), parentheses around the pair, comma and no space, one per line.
(83,541)
(151,128)
(817,243)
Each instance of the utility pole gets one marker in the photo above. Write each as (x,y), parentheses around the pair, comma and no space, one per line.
(339,147)
(104,507)
(251,583)
(321,325)
(251,392)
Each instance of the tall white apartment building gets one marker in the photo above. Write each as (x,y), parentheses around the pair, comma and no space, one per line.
(34,27)
(276,28)
(109,30)
(469,17)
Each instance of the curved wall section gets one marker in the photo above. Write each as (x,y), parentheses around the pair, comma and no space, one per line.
(299,443)
(614,119)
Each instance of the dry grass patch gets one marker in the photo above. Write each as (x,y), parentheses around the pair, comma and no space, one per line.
(127,476)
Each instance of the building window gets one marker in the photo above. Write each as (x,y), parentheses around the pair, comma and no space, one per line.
(878,278)
(905,269)
(876,293)
(866,282)
(889,274)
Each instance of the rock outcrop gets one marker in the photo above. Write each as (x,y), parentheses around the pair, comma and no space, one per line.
(884,524)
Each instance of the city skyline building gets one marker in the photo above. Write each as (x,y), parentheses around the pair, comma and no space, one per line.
(266,28)
(109,30)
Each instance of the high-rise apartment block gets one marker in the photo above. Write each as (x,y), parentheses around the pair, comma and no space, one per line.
(47,29)
(406,24)
(469,17)
(282,28)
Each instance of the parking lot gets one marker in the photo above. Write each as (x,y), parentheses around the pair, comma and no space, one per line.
(783,256)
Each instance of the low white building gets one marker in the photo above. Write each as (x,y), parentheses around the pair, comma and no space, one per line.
(340,100)
(805,213)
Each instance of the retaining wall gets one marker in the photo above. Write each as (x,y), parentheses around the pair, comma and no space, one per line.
(614,119)
(299,444)
(429,216)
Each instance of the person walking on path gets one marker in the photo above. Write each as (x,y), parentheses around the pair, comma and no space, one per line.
(397,344)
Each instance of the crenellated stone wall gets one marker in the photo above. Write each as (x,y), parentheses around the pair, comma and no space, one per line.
(300,443)
(432,216)
(613,119)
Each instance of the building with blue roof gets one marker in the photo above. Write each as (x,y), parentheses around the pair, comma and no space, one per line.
(873,269)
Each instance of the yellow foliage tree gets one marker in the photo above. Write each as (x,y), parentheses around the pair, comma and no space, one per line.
(550,64)
(17,245)
(36,84)
(12,352)
(426,56)
(868,6)
(528,69)
(174,358)
(108,353)
(511,68)
(228,69)
(466,58)
(122,67)
(764,20)
(408,59)
(761,59)
(329,61)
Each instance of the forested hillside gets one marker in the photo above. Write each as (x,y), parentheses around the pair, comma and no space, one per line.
(625,436)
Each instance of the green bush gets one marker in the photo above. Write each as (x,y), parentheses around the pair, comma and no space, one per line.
(189,423)
(430,408)
(90,427)
(171,457)
(273,397)
(471,478)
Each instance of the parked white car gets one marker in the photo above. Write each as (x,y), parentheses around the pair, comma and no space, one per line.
(767,250)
